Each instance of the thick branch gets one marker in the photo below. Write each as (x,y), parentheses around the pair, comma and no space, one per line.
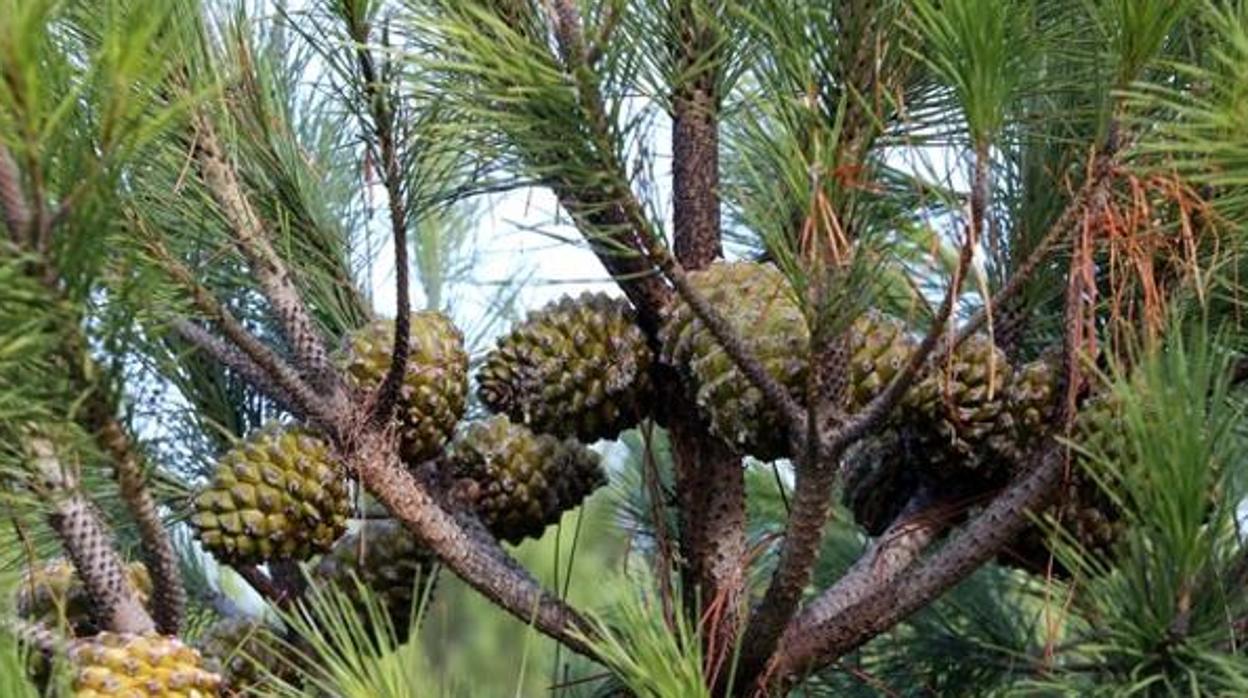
(474,557)
(975,545)
(695,145)
(709,477)
(252,239)
(710,484)
(918,524)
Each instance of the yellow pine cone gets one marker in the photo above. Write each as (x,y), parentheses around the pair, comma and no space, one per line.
(138,666)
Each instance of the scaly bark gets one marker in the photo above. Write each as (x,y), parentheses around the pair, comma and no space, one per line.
(252,239)
(168,593)
(968,550)
(474,556)
(89,545)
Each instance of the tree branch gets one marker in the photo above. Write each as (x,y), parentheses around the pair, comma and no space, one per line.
(382,126)
(695,142)
(817,471)
(168,594)
(921,521)
(473,555)
(857,623)
(89,544)
(252,240)
(273,371)
(709,478)
(234,359)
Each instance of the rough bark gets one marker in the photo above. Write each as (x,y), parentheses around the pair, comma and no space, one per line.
(252,239)
(709,475)
(919,523)
(168,594)
(710,484)
(474,556)
(89,545)
(969,549)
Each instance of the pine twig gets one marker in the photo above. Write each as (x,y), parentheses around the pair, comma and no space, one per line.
(89,544)
(168,594)
(234,359)
(383,122)
(289,385)
(253,241)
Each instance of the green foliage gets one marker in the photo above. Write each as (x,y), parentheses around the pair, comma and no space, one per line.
(653,651)
(343,653)
(1161,614)
(979,49)
(1196,129)
(822,107)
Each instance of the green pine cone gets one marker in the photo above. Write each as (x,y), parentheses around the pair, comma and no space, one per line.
(435,386)
(880,346)
(577,367)
(958,412)
(879,480)
(279,496)
(756,302)
(523,481)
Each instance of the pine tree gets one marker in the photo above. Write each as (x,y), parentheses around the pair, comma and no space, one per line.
(924,352)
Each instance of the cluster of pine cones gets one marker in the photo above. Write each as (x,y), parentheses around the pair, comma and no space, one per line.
(574,372)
